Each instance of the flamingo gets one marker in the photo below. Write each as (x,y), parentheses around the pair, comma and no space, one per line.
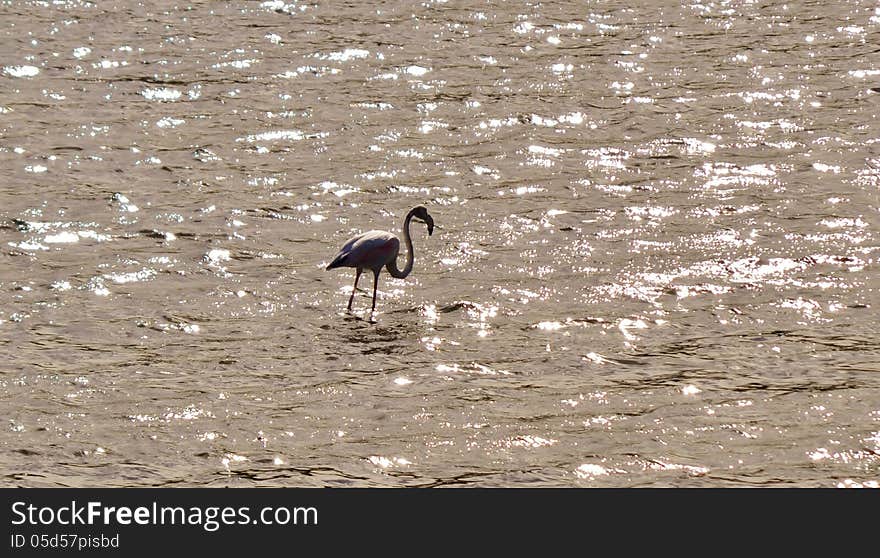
(375,249)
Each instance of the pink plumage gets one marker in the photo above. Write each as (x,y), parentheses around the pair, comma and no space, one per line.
(371,250)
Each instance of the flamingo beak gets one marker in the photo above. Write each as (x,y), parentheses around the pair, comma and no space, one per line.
(430,222)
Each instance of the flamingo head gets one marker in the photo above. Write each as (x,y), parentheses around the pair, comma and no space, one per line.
(421,213)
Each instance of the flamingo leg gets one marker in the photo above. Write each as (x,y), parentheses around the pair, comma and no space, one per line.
(375,286)
(354,289)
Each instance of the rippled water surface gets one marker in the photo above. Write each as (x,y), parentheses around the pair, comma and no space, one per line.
(656,261)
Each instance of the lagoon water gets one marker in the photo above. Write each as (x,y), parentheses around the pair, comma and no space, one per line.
(656,261)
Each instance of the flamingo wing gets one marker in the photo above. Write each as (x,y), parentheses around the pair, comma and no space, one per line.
(371,250)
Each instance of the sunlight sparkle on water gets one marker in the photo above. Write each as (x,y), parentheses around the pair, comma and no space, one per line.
(385,462)
(21,71)
(165,94)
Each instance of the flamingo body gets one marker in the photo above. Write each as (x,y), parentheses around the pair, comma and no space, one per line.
(371,250)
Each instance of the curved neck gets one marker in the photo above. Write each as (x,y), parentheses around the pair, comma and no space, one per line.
(392,265)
